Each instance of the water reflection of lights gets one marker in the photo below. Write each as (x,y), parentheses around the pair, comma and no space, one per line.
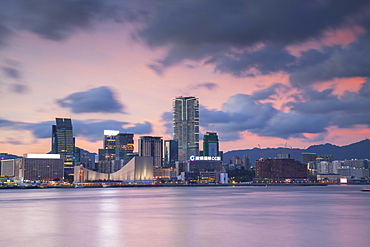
(108,223)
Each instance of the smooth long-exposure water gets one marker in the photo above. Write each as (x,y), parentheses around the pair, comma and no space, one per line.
(187,216)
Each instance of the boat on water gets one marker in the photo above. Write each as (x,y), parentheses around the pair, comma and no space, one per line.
(366,189)
(79,186)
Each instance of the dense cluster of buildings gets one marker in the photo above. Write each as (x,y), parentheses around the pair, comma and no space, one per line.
(325,168)
(178,159)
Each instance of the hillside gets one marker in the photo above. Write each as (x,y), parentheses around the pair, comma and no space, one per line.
(358,150)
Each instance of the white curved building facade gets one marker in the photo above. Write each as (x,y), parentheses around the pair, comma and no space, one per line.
(140,168)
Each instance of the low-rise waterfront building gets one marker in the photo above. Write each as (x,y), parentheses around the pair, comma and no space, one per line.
(353,172)
(41,167)
(205,177)
(162,173)
(279,170)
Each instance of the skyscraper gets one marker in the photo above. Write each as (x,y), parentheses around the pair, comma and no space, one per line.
(186,126)
(210,144)
(152,146)
(124,146)
(117,151)
(109,151)
(63,142)
(171,153)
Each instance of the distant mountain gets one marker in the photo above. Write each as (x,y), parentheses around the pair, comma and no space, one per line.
(5,156)
(358,150)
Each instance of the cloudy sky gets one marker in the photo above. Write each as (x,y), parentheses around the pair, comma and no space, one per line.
(267,73)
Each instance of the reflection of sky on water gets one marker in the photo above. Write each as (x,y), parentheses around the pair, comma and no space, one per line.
(196,216)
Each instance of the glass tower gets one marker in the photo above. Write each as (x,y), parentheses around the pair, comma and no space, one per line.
(63,142)
(124,146)
(171,153)
(186,126)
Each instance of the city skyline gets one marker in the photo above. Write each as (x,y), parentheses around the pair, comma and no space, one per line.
(265,74)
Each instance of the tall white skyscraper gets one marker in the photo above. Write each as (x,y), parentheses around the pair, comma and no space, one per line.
(186,126)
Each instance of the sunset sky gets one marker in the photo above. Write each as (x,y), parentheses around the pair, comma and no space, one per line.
(267,73)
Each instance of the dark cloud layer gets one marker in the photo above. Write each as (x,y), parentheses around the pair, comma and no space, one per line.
(270,92)
(222,33)
(225,34)
(91,129)
(99,99)
(348,110)
(55,20)
(269,59)
(333,62)
(244,23)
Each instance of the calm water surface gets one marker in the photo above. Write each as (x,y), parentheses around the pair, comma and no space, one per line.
(190,216)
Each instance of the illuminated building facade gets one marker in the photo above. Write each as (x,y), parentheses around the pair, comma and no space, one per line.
(204,177)
(63,142)
(165,173)
(186,126)
(200,163)
(152,146)
(117,146)
(109,145)
(136,170)
(124,146)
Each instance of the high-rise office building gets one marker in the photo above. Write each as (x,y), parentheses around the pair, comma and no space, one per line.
(118,149)
(211,144)
(117,146)
(186,126)
(171,153)
(247,163)
(152,146)
(63,142)
(124,146)
(109,145)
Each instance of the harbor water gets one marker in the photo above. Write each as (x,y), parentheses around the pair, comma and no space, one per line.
(336,215)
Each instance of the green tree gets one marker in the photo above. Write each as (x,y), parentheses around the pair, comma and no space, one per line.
(241,175)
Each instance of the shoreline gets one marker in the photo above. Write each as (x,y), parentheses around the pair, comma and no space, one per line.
(105,185)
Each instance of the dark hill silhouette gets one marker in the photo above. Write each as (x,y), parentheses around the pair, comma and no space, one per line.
(358,150)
